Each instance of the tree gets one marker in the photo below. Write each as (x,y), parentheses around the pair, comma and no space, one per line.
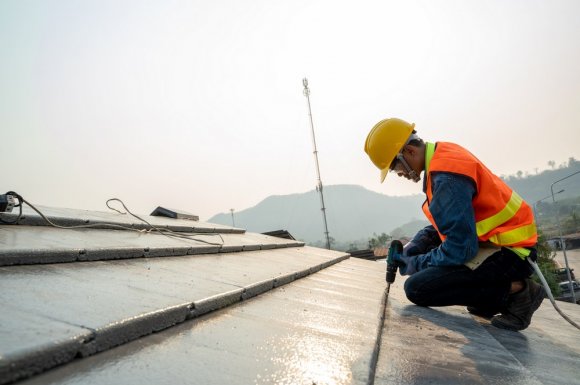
(552,164)
(547,265)
(379,240)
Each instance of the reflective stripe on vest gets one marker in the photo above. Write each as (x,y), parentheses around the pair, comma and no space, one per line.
(514,236)
(521,252)
(511,208)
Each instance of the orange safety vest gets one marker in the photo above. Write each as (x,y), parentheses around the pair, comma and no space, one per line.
(501,215)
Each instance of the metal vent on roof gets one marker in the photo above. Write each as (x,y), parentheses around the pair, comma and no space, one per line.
(172,213)
(365,254)
(280,234)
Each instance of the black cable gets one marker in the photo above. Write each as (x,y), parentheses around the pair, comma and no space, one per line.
(161,231)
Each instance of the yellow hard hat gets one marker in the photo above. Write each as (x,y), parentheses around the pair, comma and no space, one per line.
(385,141)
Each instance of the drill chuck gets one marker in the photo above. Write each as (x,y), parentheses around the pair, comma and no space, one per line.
(391,272)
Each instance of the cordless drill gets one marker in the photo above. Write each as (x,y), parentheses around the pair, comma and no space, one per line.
(392,265)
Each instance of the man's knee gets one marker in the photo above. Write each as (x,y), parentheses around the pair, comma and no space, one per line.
(415,292)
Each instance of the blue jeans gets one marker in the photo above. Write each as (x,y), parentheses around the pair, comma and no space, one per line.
(486,287)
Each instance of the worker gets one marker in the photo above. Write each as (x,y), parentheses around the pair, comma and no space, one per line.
(481,233)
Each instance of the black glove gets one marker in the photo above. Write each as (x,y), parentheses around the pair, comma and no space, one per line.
(406,263)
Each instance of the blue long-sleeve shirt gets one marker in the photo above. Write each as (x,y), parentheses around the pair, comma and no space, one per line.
(454,216)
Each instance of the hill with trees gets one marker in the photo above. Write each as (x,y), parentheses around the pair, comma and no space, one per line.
(534,187)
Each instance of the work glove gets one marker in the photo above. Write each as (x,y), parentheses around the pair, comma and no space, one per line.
(406,263)
(412,248)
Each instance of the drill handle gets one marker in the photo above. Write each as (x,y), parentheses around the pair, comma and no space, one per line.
(393,265)
(395,248)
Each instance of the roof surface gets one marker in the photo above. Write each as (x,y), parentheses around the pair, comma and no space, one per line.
(97,306)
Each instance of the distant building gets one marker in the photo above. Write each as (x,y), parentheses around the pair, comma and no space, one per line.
(572,241)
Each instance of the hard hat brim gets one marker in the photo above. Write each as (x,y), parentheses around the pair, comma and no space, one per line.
(384,173)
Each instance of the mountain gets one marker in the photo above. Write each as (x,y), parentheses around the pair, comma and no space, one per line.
(409,229)
(534,187)
(353,213)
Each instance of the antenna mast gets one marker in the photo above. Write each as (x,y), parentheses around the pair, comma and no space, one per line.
(319,186)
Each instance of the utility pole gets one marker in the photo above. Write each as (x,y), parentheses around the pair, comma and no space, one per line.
(319,185)
(233,221)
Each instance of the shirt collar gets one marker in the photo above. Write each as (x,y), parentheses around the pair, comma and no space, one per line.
(429,151)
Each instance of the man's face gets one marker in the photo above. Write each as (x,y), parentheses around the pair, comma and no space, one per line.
(398,168)
(411,157)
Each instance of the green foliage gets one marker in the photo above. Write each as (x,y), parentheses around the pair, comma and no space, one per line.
(566,210)
(547,265)
(379,240)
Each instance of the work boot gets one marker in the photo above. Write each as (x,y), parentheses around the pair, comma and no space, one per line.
(482,312)
(520,308)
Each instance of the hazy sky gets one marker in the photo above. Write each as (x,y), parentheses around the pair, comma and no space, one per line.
(198,105)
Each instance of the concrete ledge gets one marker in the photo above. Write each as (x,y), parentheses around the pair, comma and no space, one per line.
(326,264)
(209,249)
(133,328)
(166,252)
(47,256)
(44,357)
(284,279)
(257,289)
(107,254)
(34,257)
(215,302)
(251,247)
(231,249)
(302,274)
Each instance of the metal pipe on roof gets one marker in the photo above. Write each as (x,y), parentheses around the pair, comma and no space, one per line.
(319,185)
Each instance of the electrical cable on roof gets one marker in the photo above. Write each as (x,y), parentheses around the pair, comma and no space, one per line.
(166,232)
(162,231)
